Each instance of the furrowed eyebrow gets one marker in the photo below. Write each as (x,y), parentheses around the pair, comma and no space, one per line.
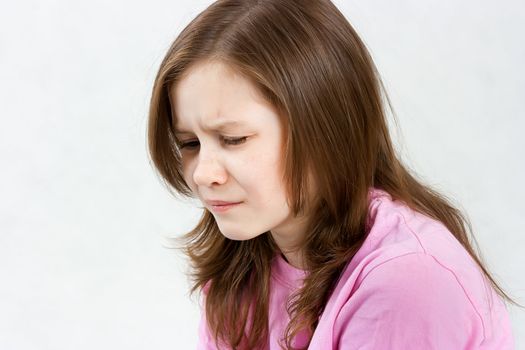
(218,127)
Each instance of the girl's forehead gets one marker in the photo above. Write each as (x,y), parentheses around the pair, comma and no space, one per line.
(211,97)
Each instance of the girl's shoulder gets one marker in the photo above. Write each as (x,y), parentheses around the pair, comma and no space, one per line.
(412,279)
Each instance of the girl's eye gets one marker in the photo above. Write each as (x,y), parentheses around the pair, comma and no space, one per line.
(234,141)
(228,141)
(188,144)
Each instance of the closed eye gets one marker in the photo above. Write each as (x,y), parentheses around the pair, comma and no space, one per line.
(227,140)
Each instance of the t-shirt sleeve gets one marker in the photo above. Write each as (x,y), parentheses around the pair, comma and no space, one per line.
(205,339)
(408,302)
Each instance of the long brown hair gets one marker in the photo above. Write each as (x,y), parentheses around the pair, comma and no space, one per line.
(307,61)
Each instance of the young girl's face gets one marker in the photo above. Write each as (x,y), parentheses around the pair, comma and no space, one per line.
(239,162)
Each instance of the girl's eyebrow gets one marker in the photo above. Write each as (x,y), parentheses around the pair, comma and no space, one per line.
(217,127)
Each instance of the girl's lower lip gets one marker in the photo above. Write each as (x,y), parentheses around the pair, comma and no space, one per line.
(223,208)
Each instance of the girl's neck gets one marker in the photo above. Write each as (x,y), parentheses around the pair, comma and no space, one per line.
(294,259)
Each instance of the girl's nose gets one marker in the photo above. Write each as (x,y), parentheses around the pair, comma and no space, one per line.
(208,171)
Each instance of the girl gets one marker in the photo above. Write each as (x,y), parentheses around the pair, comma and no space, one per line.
(314,234)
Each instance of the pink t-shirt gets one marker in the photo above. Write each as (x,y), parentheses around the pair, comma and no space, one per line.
(410,286)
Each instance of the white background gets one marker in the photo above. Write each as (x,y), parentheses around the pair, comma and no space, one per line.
(83,216)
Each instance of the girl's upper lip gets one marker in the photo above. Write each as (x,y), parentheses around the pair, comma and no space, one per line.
(216,202)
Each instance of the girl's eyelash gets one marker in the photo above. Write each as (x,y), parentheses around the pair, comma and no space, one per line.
(229,141)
